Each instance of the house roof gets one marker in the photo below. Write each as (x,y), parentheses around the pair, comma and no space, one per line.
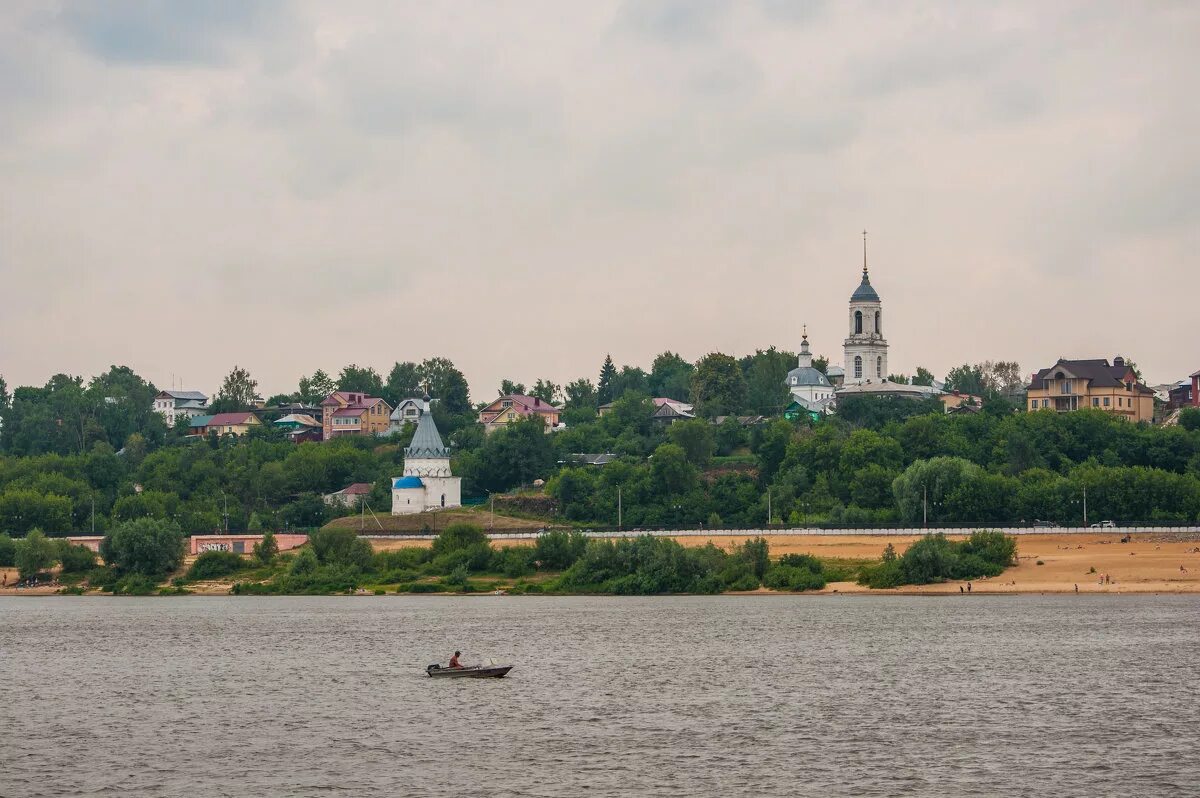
(426,441)
(1195,374)
(299,418)
(356,489)
(1096,370)
(356,410)
(522,403)
(887,388)
(199,421)
(193,395)
(591,459)
(673,410)
(190,404)
(408,482)
(231,419)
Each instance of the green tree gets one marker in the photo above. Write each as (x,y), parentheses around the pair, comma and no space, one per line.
(147,546)
(671,377)
(547,391)
(718,387)
(930,483)
(75,559)
(515,455)
(510,388)
(34,554)
(342,547)
(766,381)
(8,551)
(313,390)
(267,549)
(670,470)
(923,376)
(403,382)
(448,384)
(23,509)
(630,379)
(608,376)
(581,395)
(237,392)
(695,438)
(966,379)
(360,380)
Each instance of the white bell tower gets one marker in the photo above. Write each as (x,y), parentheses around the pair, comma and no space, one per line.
(865,346)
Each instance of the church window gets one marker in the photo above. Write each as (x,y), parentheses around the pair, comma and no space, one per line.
(443,500)
(858,364)
(878,367)
(858,323)
(878,325)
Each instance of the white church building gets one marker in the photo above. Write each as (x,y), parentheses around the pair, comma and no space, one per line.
(808,386)
(427,483)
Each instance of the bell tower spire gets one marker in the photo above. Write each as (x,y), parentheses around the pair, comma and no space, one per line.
(864,253)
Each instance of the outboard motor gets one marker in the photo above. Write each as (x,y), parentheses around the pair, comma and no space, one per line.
(432,668)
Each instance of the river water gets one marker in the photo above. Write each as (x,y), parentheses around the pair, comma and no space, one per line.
(720,696)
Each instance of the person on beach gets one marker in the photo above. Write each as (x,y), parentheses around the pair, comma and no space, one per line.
(454,663)
(1077,588)
(960,589)
(968,587)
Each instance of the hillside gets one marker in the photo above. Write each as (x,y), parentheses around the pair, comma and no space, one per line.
(437,521)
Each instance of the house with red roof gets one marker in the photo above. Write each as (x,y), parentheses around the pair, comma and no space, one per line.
(514,407)
(350,495)
(354,413)
(225,424)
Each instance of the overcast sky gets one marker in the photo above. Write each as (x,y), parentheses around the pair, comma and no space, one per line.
(525,186)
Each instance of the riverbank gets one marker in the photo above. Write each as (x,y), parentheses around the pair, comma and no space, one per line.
(1147,564)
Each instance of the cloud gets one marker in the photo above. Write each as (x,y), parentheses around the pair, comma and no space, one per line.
(163,31)
(526,187)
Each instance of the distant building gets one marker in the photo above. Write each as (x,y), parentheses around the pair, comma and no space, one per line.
(668,411)
(354,413)
(407,411)
(349,496)
(173,404)
(300,427)
(866,350)
(583,458)
(1077,384)
(1196,389)
(810,389)
(198,425)
(513,407)
(228,424)
(954,400)
(427,483)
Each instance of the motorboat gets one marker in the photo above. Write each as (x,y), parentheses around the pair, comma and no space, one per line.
(468,671)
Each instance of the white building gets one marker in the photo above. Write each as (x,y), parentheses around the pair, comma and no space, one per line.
(808,386)
(865,348)
(407,412)
(173,404)
(427,483)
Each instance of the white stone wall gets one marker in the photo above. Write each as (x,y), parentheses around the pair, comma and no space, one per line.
(408,500)
(436,487)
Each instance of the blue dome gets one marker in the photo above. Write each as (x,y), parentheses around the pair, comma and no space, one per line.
(864,292)
(408,482)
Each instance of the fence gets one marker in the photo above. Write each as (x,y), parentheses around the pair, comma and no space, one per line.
(801,531)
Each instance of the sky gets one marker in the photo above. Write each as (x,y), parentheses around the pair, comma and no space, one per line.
(523,187)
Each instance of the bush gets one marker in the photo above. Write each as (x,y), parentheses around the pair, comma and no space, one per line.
(934,558)
(789,577)
(558,551)
(408,558)
(425,587)
(459,536)
(805,561)
(337,546)
(146,546)
(642,566)
(215,564)
(514,561)
(134,584)
(75,559)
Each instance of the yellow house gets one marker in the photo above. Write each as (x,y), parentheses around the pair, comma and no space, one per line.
(231,423)
(514,407)
(354,413)
(1078,384)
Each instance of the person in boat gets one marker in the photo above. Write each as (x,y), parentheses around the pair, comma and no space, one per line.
(454,663)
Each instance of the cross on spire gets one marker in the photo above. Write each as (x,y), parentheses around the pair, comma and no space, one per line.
(864,251)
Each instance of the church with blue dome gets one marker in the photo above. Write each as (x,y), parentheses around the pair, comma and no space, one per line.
(427,483)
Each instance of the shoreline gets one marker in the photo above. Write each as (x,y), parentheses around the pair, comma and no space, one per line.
(1149,564)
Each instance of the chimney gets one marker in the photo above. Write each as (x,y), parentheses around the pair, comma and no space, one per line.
(1119,362)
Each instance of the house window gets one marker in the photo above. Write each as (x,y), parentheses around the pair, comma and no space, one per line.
(1066,386)
(1033,404)
(878,323)
(1045,403)
(858,323)
(1106,401)
(858,361)
(506,403)
(879,367)
(1095,401)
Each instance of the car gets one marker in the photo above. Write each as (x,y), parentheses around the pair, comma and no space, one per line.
(1104,525)
(1044,524)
